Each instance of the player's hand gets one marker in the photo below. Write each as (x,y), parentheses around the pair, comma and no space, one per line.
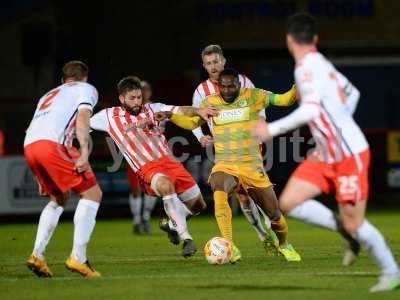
(261,132)
(207,112)
(82,164)
(162,115)
(206,140)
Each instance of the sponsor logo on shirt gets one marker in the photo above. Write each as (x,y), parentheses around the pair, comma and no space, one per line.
(232,115)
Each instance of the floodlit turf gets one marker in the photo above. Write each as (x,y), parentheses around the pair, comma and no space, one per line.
(148,267)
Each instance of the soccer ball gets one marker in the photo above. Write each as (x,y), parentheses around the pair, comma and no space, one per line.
(218,251)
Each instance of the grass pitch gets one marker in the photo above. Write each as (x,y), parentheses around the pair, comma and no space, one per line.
(148,267)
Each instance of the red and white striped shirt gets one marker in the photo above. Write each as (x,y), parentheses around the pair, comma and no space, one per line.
(139,144)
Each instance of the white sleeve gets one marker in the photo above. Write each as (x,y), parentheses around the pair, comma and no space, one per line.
(197,98)
(350,91)
(247,82)
(99,121)
(308,85)
(157,107)
(196,101)
(302,115)
(87,97)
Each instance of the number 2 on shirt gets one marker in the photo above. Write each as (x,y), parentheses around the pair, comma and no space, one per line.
(48,99)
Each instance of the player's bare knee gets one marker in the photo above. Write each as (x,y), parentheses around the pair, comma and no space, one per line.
(222,182)
(165,186)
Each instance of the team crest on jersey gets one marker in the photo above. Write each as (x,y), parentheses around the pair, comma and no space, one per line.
(232,115)
(242,103)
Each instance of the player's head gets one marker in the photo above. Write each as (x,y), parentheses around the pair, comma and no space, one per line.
(130,94)
(75,70)
(229,84)
(146,91)
(213,60)
(301,31)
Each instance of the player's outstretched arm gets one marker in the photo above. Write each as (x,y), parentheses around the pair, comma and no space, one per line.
(285,99)
(186,122)
(302,115)
(203,112)
(99,121)
(182,121)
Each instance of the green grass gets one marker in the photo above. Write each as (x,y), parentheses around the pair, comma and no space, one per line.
(148,267)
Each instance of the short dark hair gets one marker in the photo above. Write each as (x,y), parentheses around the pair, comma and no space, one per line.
(230,72)
(302,27)
(127,84)
(211,49)
(75,69)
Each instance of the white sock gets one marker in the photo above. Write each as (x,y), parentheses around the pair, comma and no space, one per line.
(373,241)
(177,213)
(135,204)
(314,212)
(252,215)
(84,221)
(187,213)
(148,205)
(47,223)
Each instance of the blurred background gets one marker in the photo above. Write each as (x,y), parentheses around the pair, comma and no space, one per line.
(161,42)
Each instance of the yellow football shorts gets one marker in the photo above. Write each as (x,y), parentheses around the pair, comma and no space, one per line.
(249,175)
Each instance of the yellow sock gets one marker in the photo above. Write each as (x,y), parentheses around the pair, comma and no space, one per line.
(281,229)
(223,214)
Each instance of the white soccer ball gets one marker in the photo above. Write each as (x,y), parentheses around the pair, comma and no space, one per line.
(218,251)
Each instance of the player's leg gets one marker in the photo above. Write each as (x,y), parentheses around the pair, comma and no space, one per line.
(353,218)
(84,223)
(194,202)
(135,204)
(189,193)
(297,201)
(268,203)
(223,184)
(252,214)
(51,213)
(47,223)
(148,205)
(135,200)
(174,208)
